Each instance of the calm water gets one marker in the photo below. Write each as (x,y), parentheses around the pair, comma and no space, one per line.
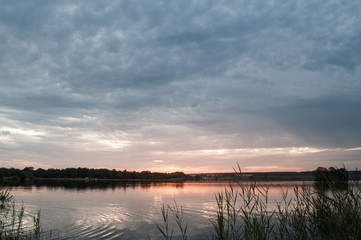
(124,211)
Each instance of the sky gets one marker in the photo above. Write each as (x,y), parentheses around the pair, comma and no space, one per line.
(193,86)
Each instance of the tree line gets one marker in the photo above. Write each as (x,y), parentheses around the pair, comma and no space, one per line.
(91,173)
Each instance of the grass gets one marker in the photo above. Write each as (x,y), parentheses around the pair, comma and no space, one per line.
(310,213)
(11,221)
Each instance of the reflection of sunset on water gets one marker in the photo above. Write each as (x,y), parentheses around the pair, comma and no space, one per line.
(128,206)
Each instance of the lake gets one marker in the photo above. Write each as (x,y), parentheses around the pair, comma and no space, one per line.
(124,210)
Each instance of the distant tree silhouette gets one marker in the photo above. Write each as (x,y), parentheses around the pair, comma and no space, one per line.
(30,173)
(331,177)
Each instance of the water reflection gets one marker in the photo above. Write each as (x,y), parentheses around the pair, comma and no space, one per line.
(125,210)
(82,185)
(324,186)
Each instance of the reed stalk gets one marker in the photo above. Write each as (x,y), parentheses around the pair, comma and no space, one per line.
(309,213)
(11,221)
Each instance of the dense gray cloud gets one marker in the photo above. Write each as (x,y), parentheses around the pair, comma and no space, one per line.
(120,80)
(332,121)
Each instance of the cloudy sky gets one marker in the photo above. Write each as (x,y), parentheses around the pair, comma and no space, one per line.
(195,86)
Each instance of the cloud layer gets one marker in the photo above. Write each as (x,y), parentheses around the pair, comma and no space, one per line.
(166,84)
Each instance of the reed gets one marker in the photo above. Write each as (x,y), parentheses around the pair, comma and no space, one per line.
(11,221)
(177,212)
(310,213)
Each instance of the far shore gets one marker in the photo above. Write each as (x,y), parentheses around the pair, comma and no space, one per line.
(29,176)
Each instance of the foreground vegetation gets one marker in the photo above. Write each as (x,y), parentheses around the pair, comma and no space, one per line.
(244,214)
(307,213)
(11,221)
